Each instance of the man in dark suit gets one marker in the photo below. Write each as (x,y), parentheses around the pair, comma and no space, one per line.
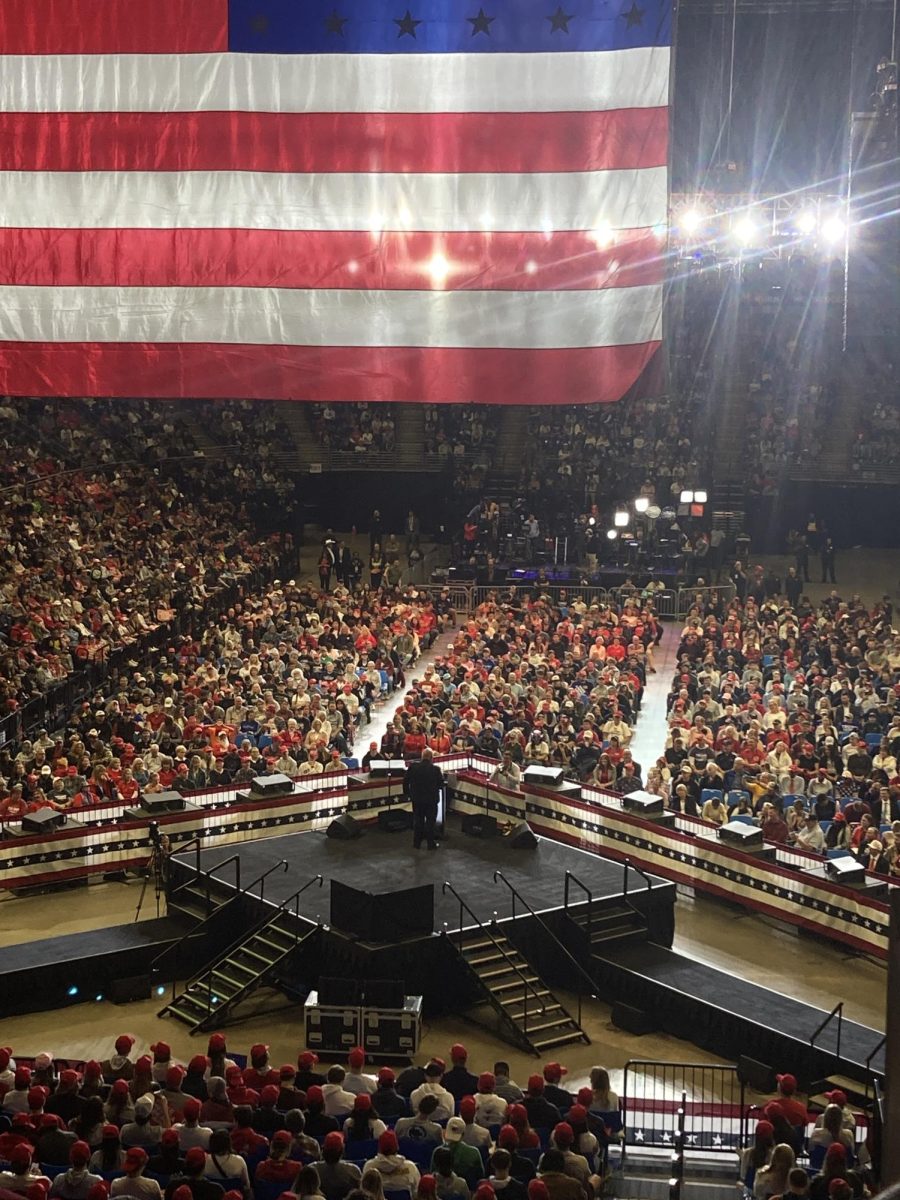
(423,784)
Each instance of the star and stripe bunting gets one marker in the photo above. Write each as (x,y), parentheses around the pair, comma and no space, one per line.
(436,202)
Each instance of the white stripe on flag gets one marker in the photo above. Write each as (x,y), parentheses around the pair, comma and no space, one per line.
(404,83)
(273,316)
(438,203)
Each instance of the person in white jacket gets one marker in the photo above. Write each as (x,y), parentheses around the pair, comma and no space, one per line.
(396,1171)
(338,1101)
(490,1109)
(432,1086)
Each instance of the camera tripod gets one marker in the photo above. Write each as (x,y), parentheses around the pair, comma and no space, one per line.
(156,868)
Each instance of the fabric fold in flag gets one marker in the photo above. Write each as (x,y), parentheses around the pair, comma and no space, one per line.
(441,202)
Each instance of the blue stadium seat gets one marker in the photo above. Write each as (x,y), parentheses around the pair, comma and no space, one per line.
(710,793)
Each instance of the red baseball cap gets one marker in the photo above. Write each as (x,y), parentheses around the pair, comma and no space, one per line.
(124,1042)
(259,1050)
(787,1084)
(333,1141)
(458,1052)
(307,1060)
(553,1071)
(486,1082)
(357,1057)
(216,1044)
(386,1077)
(387,1143)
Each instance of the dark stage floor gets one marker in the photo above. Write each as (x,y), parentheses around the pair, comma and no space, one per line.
(386,862)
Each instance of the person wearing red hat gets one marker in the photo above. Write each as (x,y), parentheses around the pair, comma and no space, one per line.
(216,1052)
(538,1190)
(395,1170)
(553,1073)
(307,1076)
(16,1100)
(278,1167)
(266,1118)
(518,1118)
(490,1109)
(19,1177)
(318,1122)
(520,1167)
(834,1097)
(541,1113)
(51,1142)
(363,1124)
(194,1082)
(92,1080)
(65,1102)
(162,1060)
(563,1139)
(141,1081)
(190,1132)
(133,1183)
(118,1108)
(459,1080)
(336,1177)
(37,1098)
(355,1079)
(289,1096)
(786,1103)
(433,1086)
(77,1181)
(110,1155)
(758,1154)
(474,1134)
(194,1180)
(172,1091)
(119,1064)
(260,1072)
(387,1101)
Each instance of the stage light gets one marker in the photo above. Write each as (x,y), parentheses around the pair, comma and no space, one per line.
(620,520)
(687,497)
(806,222)
(160,991)
(641,504)
(700,497)
(690,221)
(833,229)
(439,268)
(744,230)
(72,991)
(592,521)
(98,999)
(612,534)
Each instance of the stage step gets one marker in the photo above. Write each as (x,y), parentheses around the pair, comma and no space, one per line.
(212,993)
(618,923)
(528,1012)
(857,1091)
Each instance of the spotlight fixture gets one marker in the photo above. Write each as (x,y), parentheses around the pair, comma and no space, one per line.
(612,534)
(620,520)
(745,231)
(641,504)
(700,497)
(833,229)
(806,222)
(690,221)
(687,497)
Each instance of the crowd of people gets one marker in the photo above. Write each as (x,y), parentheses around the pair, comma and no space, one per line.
(281,681)
(356,427)
(97,557)
(534,680)
(145,1126)
(788,714)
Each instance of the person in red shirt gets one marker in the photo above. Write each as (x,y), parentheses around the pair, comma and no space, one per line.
(260,1073)
(786,1102)
(278,1167)
(414,741)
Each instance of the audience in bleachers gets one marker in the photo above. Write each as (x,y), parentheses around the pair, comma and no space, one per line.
(789,716)
(355,427)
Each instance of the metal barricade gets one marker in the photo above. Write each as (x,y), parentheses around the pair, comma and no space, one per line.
(715,1113)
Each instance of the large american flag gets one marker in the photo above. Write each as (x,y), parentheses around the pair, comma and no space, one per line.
(423,200)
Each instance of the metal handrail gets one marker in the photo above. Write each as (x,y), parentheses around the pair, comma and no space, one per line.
(871,1080)
(837,1011)
(526,986)
(676,1182)
(517,895)
(261,879)
(571,877)
(628,862)
(191,933)
(235,858)
(260,925)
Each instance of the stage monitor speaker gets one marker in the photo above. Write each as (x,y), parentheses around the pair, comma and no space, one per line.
(548,777)
(45,820)
(384,993)
(386,766)
(395,820)
(271,785)
(643,804)
(523,837)
(479,824)
(155,803)
(336,992)
(344,828)
(844,869)
(129,988)
(741,834)
(632,1020)
(757,1075)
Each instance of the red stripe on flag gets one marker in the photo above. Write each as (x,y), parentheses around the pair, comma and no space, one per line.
(113,26)
(334,142)
(560,261)
(439,376)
